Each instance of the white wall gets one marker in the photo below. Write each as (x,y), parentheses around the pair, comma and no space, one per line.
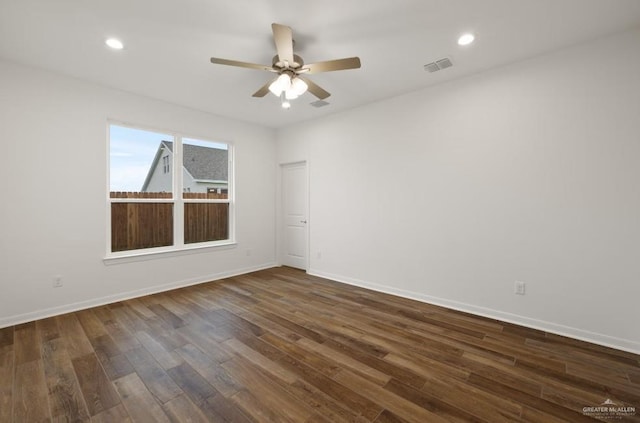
(53,214)
(530,172)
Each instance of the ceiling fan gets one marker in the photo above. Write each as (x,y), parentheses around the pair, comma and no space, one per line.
(290,82)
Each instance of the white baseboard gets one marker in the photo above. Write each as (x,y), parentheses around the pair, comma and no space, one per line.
(68,308)
(571,332)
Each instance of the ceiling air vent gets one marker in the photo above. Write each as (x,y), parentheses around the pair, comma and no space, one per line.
(438,65)
(320,103)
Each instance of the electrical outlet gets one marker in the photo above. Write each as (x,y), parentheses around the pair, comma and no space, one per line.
(249,252)
(57,281)
(520,288)
(318,255)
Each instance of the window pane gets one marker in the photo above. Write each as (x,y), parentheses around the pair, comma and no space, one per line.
(206,222)
(141,225)
(140,162)
(205,168)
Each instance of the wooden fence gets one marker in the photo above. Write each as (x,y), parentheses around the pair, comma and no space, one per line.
(147,225)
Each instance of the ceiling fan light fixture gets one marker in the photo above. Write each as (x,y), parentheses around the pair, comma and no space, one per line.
(299,86)
(275,89)
(296,89)
(282,83)
(284,101)
(290,94)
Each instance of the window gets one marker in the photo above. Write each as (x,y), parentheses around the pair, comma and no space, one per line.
(165,164)
(146,171)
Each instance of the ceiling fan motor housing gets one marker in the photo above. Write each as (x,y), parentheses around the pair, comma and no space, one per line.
(280,65)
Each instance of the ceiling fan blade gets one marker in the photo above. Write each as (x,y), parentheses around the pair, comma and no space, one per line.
(333,65)
(315,89)
(283,38)
(236,63)
(264,90)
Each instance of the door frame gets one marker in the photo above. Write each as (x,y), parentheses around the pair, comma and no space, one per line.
(280,212)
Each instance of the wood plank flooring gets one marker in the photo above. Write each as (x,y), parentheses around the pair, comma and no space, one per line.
(281,346)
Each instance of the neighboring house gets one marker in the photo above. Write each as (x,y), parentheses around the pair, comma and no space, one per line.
(205,169)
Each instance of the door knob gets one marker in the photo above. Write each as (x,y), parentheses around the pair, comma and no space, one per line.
(303,221)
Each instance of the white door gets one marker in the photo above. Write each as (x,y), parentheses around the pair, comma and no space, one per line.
(294,212)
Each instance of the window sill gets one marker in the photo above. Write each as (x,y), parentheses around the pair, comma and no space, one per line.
(131,257)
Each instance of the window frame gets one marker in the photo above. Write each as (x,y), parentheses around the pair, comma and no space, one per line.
(179,247)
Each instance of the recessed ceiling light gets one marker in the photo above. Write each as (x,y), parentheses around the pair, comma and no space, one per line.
(466,39)
(114,43)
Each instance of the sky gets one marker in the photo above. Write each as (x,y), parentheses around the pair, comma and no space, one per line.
(132,152)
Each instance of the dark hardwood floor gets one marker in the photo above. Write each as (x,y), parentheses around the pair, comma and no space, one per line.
(281,346)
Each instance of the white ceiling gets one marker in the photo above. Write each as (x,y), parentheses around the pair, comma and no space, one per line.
(168,44)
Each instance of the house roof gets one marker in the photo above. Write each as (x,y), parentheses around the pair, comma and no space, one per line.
(202,163)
